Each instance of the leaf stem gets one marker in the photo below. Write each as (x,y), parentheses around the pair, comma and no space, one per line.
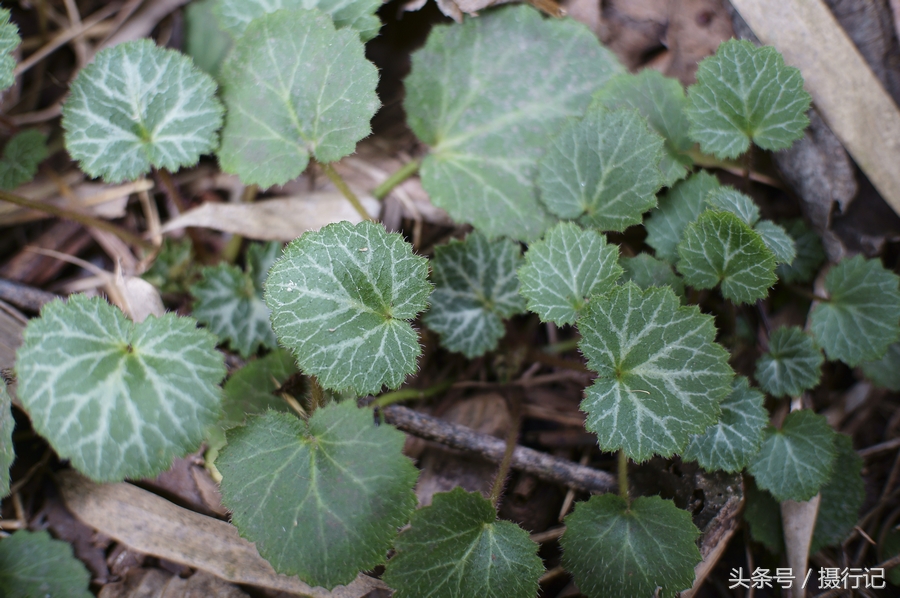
(403,173)
(233,248)
(316,394)
(807,293)
(405,394)
(562,346)
(623,475)
(345,190)
(512,437)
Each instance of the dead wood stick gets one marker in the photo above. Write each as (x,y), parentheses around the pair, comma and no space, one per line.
(24,296)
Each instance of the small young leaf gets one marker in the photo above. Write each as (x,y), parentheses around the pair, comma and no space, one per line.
(680,206)
(138,106)
(763,514)
(795,461)
(7,451)
(862,317)
(119,399)
(173,269)
(720,247)
(21,158)
(205,41)
(9,41)
(662,101)
(565,268)
(661,376)
(842,497)
(321,499)
(230,301)
(646,271)
(295,87)
(476,287)
(777,240)
(456,548)
(810,254)
(729,199)
(745,93)
(886,371)
(235,15)
(616,549)
(341,301)
(488,121)
(602,169)
(792,364)
(730,443)
(32,565)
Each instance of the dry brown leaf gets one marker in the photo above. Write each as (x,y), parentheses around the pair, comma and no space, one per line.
(155,583)
(799,522)
(155,526)
(96,199)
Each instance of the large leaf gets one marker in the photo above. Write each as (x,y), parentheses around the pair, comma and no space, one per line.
(488,120)
(322,500)
(862,317)
(792,364)
(9,41)
(341,300)
(730,443)
(616,549)
(720,248)
(7,451)
(235,15)
(661,376)
(230,301)
(745,93)
(565,268)
(602,169)
(842,497)
(295,87)
(138,106)
(885,372)
(476,287)
(680,206)
(809,253)
(795,461)
(119,399)
(456,548)
(646,271)
(21,157)
(34,565)
(662,101)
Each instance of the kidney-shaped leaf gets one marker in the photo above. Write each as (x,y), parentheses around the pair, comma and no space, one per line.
(32,565)
(21,158)
(678,207)
(646,271)
(792,364)
(885,372)
(9,41)
(235,15)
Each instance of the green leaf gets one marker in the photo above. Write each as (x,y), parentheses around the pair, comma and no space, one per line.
(729,199)
(792,364)
(795,461)
(119,399)
(456,548)
(743,94)
(488,120)
(341,301)
(777,240)
(236,15)
(230,301)
(613,549)
(646,271)
(602,169)
(204,40)
(32,565)
(763,514)
(730,443)
(662,101)
(680,206)
(565,268)
(885,372)
(173,268)
(9,41)
(295,87)
(660,375)
(720,248)
(476,287)
(138,106)
(889,548)
(7,451)
(321,499)
(862,317)
(810,253)
(842,497)
(21,158)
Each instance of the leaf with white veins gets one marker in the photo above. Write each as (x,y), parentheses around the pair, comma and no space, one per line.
(792,364)
(235,15)
(678,207)
(9,41)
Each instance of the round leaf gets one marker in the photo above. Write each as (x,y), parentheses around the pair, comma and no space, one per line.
(809,253)
(886,371)
(21,157)
(842,497)
(9,41)
(235,15)
(777,240)
(729,199)
(792,364)
(321,500)
(138,106)
(646,271)
(33,564)
(680,206)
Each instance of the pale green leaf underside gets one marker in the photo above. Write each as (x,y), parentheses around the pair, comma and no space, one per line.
(729,199)
(9,41)
(118,399)
(777,240)
(730,443)
(230,303)
(885,372)
(795,461)
(295,87)
(602,169)
(862,317)
(646,271)
(809,253)
(680,206)
(7,451)
(321,500)
(34,565)
(720,248)
(235,15)
(662,101)
(565,268)
(488,119)
(792,364)
(341,301)
(615,549)
(21,158)
(661,376)
(476,287)
(746,93)
(842,497)
(138,106)
(456,548)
